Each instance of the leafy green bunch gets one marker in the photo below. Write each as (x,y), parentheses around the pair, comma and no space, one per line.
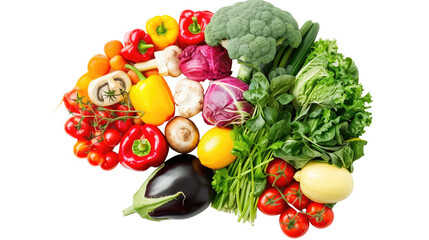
(239,185)
(331,113)
(317,115)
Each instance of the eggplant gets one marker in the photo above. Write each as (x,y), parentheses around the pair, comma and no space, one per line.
(178,189)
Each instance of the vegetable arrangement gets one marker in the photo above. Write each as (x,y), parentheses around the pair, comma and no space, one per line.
(286,129)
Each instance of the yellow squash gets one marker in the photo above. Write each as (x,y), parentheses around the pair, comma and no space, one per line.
(324,183)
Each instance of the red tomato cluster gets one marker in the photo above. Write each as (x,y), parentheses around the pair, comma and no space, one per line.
(97,131)
(283,197)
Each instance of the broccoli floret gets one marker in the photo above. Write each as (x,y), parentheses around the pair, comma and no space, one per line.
(252,28)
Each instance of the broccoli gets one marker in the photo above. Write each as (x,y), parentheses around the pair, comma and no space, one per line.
(252,30)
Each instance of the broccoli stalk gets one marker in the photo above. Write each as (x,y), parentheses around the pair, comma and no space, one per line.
(251,31)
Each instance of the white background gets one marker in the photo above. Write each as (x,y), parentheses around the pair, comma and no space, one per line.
(47,193)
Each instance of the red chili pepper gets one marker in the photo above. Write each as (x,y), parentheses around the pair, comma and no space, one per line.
(192,25)
(143,146)
(138,46)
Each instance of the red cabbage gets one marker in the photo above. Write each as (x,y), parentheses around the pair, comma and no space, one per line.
(224,103)
(203,62)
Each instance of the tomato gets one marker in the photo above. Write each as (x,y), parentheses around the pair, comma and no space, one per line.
(295,196)
(81,148)
(214,148)
(293,224)
(95,157)
(101,117)
(321,215)
(280,173)
(123,125)
(271,202)
(123,109)
(111,137)
(78,127)
(98,143)
(70,101)
(110,161)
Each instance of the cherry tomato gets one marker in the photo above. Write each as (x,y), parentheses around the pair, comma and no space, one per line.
(123,125)
(70,102)
(111,137)
(110,161)
(95,157)
(271,202)
(81,148)
(295,196)
(321,215)
(293,224)
(280,173)
(101,117)
(98,143)
(123,108)
(78,127)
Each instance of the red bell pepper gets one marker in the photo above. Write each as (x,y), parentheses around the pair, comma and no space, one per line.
(143,146)
(138,46)
(191,27)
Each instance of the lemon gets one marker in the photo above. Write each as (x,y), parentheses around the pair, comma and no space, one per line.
(214,148)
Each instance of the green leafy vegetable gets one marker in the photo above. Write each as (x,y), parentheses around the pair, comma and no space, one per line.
(330,110)
(317,115)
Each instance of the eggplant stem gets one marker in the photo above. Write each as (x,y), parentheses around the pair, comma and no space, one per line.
(128,211)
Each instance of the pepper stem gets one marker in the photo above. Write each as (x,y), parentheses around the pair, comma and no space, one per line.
(139,74)
(194,28)
(161,30)
(143,47)
(141,147)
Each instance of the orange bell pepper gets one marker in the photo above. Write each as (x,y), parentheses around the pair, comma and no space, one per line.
(83,82)
(164,31)
(152,96)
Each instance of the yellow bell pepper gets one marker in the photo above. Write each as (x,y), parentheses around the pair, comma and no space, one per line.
(83,83)
(163,30)
(152,96)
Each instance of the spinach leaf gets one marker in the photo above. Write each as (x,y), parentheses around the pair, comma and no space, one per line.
(271,115)
(281,84)
(256,123)
(259,81)
(285,98)
(257,96)
(278,130)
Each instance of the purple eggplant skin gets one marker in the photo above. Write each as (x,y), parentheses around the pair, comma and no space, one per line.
(182,173)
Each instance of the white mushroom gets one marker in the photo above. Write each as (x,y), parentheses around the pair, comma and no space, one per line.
(109,89)
(166,61)
(189,97)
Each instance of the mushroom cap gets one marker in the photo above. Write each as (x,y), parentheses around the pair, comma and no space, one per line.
(171,54)
(189,97)
(107,90)
(182,134)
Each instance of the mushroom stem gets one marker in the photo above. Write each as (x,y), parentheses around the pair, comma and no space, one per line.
(148,65)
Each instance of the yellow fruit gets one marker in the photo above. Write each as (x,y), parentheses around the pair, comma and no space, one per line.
(324,183)
(214,148)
